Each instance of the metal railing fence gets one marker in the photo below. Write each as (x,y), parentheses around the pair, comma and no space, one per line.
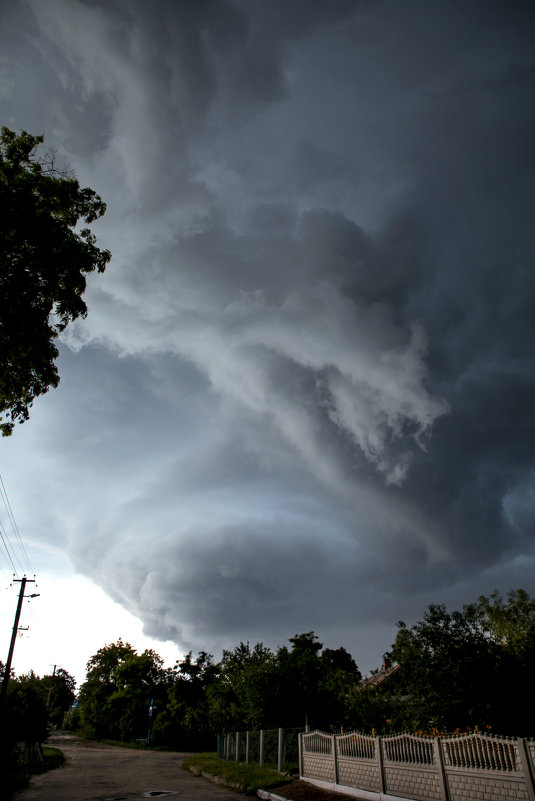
(273,748)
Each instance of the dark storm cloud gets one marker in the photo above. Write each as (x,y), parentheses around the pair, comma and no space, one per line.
(319,305)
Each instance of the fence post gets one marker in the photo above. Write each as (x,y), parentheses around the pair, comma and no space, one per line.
(525,761)
(247,748)
(261,760)
(237,746)
(380,764)
(300,745)
(442,778)
(335,759)
(279,750)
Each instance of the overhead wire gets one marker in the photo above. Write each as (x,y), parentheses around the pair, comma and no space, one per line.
(7,554)
(7,504)
(8,579)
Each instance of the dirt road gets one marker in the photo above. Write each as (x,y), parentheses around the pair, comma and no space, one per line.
(97,772)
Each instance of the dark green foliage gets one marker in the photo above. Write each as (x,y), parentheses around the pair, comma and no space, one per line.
(26,710)
(26,719)
(185,721)
(470,668)
(251,688)
(244,696)
(114,700)
(448,669)
(60,688)
(456,670)
(371,709)
(261,689)
(34,704)
(43,264)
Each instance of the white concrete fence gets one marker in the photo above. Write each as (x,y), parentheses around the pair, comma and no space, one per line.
(468,767)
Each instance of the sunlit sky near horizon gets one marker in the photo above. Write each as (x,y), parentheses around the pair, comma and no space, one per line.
(303,395)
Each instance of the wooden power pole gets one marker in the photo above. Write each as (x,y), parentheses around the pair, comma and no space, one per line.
(7,670)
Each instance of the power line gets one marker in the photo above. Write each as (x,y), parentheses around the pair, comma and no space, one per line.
(9,559)
(7,504)
(11,516)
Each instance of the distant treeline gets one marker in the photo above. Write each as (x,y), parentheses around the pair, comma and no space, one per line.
(456,670)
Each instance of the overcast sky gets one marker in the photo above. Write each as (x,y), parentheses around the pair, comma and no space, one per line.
(304,394)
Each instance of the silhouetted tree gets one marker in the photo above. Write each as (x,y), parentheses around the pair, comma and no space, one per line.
(43,263)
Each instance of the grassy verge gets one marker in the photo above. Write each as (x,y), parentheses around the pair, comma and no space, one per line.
(17,777)
(52,758)
(142,745)
(244,778)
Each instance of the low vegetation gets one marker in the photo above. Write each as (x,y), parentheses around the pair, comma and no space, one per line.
(245,778)
(16,776)
(31,707)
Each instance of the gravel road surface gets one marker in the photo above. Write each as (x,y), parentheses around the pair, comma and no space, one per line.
(97,772)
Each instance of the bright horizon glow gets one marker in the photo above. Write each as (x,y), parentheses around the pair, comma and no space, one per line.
(63,632)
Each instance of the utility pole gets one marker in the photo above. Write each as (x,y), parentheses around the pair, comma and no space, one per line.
(23,582)
(51,685)
(50,688)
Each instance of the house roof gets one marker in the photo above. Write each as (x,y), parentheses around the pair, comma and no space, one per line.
(378,678)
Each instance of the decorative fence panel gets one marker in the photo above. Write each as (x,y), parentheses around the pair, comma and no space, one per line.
(471,767)
(358,762)
(410,767)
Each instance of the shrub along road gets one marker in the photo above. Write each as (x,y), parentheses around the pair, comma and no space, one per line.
(97,772)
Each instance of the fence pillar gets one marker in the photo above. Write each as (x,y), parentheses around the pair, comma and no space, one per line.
(442,778)
(335,759)
(247,748)
(279,750)
(525,761)
(237,746)
(261,760)
(380,763)
(300,746)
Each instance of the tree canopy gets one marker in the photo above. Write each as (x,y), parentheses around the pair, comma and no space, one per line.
(44,260)
(452,670)
(470,667)
(455,670)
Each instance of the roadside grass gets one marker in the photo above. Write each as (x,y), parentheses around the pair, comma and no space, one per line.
(140,745)
(143,746)
(17,777)
(237,775)
(52,758)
